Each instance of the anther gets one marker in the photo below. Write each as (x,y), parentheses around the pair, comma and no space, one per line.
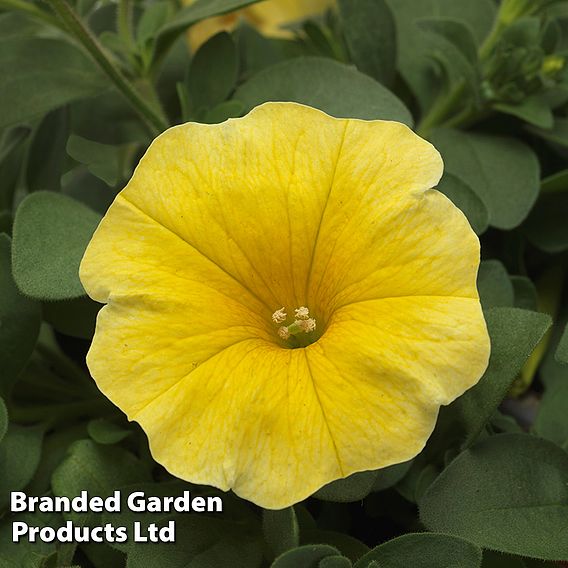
(283,332)
(279,315)
(307,325)
(302,313)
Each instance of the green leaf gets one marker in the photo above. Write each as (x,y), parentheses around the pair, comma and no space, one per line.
(20,452)
(213,72)
(153,17)
(494,285)
(532,110)
(40,75)
(108,119)
(451,44)
(552,371)
(280,529)
(552,419)
(96,469)
(347,545)
(46,158)
(55,447)
(102,555)
(16,25)
(353,488)
(3,419)
(308,556)
(389,476)
(456,33)
(24,554)
(463,197)
(508,493)
(546,227)
(370,35)
(19,322)
(223,111)
(321,41)
(562,349)
(504,423)
(514,334)
(424,550)
(45,260)
(10,138)
(503,172)
(555,182)
(102,160)
(104,432)
(335,88)
(257,52)
(335,562)
(83,186)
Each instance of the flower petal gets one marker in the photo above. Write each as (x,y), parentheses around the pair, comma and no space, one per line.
(269,17)
(418,244)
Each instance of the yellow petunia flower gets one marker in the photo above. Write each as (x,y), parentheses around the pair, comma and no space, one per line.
(269,17)
(287,300)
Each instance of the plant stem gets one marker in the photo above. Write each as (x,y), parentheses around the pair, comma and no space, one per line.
(124,22)
(441,110)
(491,40)
(152,117)
(124,28)
(468,116)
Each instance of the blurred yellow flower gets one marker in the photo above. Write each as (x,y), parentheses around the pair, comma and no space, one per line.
(269,17)
(287,300)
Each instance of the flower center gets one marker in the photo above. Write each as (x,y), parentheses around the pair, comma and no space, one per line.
(300,332)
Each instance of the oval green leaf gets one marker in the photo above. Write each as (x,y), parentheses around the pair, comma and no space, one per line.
(508,493)
(353,488)
(40,75)
(503,172)
(51,232)
(424,550)
(333,87)
(366,25)
(20,452)
(280,529)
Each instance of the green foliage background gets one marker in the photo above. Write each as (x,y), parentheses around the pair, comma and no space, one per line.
(86,85)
